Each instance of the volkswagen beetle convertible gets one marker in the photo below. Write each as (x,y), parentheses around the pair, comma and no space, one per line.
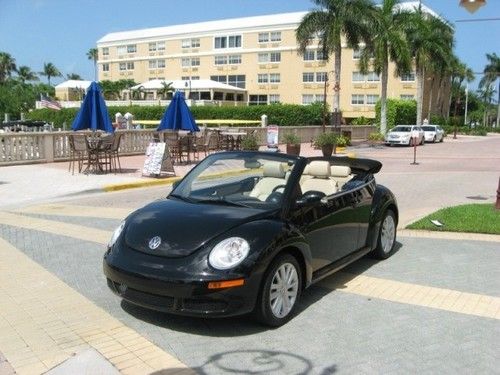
(249,232)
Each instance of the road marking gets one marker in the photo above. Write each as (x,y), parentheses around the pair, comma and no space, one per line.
(43,322)
(56,227)
(78,211)
(414,294)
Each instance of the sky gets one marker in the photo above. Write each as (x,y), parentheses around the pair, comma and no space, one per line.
(35,32)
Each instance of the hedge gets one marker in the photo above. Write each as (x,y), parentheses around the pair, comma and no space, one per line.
(279,114)
(398,112)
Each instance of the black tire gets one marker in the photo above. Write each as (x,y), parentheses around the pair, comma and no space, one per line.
(263,307)
(386,240)
(423,141)
(434,139)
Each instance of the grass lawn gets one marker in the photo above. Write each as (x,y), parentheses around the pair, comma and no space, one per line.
(472,218)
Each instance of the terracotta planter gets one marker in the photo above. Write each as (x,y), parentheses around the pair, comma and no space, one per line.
(327,150)
(293,149)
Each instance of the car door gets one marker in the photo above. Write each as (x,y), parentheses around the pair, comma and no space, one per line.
(329,226)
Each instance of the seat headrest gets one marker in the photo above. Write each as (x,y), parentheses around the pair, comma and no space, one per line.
(274,169)
(340,171)
(319,169)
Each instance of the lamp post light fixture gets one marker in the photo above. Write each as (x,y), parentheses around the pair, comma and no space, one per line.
(472,5)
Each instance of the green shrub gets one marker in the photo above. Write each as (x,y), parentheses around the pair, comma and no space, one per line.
(361,121)
(398,112)
(325,139)
(250,142)
(375,136)
(291,138)
(277,114)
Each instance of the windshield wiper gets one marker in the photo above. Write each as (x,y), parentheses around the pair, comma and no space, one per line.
(221,201)
(182,198)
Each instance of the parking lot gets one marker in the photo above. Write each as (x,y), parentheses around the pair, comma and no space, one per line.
(433,307)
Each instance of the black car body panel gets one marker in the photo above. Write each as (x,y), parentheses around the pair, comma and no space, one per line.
(323,232)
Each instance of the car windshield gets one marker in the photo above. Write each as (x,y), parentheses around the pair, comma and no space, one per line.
(429,128)
(401,128)
(246,179)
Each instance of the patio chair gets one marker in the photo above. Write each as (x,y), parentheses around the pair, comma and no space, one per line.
(210,143)
(77,150)
(113,152)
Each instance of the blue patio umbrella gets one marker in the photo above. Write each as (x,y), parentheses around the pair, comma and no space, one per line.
(93,113)
(178,116)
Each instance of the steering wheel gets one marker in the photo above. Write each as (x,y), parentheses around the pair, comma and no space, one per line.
(282,186)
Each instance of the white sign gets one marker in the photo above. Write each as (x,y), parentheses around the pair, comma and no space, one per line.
(154,158)
(272,136)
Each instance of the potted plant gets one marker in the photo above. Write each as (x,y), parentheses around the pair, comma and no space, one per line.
(326,141)
(342,142)
(292,141)
(249,142)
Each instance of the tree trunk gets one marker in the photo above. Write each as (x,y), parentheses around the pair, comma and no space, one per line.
(336,85)
(497,125)
(439,96)
(448,109)
(420,94)
(383,99)
(431,92)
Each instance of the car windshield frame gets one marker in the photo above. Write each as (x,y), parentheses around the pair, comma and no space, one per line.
(227,178)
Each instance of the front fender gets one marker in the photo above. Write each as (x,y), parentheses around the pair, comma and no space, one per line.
(383,199)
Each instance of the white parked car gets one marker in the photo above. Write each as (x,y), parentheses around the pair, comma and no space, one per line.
(402,135)
(433,133)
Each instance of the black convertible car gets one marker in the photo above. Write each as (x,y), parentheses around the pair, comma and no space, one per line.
(248,232)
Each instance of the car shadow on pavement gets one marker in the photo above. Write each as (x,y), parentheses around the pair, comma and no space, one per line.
(244,325)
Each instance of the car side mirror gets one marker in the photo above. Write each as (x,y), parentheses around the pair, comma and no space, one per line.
(310,197)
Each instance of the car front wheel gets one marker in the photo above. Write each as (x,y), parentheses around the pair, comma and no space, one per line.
(386,237)
(280,291)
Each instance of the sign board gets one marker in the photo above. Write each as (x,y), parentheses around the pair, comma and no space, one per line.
(157,160)
(272,136)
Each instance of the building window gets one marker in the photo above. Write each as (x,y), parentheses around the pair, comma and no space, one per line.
(237,80)
(274,78)
(121,50)
(307,99)
(152,64)
(321,76)
(357,99)
(320,98)
(269,57)
(160,46)
(263,37)
(233,41)
(320,55)
(195,61)
(126,66)
(373,77)
(230,96)
(222,79)
(275,36)
(257,100)
(263,57)
(307,77)
(190,43)
(161,63)
(105,67)
(131,48)
(358,77)
(220,60)
(152,47)
(195,78)
(408,77)
(190,61)
(371,99)
(130,66)
(262,78)
(105,51)
(275,56)
(234,59)
(407,97)
(356,54)
(274,98)
(309,55)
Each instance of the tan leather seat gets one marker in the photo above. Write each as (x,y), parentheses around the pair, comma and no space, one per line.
(273,175)
(340,174)
(320,181)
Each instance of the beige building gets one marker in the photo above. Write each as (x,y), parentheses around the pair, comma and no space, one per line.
(258,54)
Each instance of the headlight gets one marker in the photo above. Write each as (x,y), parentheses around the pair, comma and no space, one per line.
(229,253)
(116,234)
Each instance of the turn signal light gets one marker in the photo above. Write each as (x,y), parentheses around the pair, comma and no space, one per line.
(225,284)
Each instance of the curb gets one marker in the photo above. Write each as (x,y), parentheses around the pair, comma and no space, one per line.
(459,236)
(139,184)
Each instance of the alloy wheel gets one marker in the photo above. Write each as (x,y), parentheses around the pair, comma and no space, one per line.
(284,289)
(387,234)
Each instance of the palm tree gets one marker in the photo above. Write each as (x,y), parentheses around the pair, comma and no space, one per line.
(7,66)
(24,73)
(137,93)
(332,20)
(165,90)
(486,93)
(491,74)
(390,44)
(74,76)
(430,40)
(93,55)
(49,70)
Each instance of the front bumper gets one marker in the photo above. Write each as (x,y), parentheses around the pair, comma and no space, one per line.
(155,289)
(397,141)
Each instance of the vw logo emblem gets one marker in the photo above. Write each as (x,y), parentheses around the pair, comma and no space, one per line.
(154,242)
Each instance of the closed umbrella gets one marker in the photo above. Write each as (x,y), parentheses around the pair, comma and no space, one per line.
(178,116)
(93,113)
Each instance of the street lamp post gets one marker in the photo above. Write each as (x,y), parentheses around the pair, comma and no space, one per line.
(472,5)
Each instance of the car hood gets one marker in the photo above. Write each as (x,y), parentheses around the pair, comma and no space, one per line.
(399,133)
(183,227)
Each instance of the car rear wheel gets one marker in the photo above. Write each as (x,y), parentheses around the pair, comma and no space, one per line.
(386,237)
(423,141)
(434,139)
(280,291)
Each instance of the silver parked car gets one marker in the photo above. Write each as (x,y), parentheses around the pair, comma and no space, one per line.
(402,135)
(433,133)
